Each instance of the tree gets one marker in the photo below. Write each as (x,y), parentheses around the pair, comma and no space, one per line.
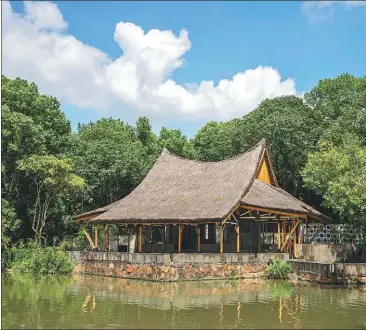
(32,124)
(338,174)
(112,160)
(339,103)
(214,141)
(175,142)
(51,177)
(9,224)
(287,124)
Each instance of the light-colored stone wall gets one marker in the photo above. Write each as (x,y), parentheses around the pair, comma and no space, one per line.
(329,252)
(173,266)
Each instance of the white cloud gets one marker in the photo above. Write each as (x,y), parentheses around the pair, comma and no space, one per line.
(36,47)
(318,11)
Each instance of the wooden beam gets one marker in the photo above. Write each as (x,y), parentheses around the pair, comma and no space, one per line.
(237,229)
(288,214)
(87,236)
(221,238)
(289,235)
(140,239)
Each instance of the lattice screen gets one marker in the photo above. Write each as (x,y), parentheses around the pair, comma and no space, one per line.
(333,233)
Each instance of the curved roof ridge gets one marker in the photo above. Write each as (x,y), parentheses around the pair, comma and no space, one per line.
(261,143)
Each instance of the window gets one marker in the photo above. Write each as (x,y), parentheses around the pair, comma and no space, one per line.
(210,233)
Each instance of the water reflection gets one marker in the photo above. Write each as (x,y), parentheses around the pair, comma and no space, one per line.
(101,302)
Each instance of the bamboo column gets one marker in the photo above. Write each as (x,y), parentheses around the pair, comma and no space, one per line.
(96,236)
(140,239)
(104,238)
(237,229)
(198,229)
(295,238)
(179,238)
(283,231)
(221,238)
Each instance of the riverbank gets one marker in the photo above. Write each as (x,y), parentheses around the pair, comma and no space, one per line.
(172,267)
(328,272)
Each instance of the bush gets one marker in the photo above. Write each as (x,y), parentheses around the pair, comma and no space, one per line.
(278,269)
(35,259)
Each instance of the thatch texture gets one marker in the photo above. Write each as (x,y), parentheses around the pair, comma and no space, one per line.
(96,212)
(181,190)
(178,190)
(263,195)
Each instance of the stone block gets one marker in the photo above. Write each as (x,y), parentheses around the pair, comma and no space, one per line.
(234,258)
(138,258)
(198,258)
(178,258)
(166,259)
(206,258)
(149,258)
(214,258)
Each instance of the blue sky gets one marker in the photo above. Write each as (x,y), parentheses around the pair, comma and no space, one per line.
(288,46)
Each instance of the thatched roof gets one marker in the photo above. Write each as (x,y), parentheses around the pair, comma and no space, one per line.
(178,190)
(266,196)
(98,211)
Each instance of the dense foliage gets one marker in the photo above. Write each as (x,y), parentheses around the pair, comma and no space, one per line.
(49,174)
(279,269)
(35,259)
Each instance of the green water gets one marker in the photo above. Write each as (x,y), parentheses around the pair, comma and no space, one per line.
(100,302)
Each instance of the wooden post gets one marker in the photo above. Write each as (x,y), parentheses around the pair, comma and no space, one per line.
(299,235)
(198,230)
(237,229)
(278,236)
(179,238)
(104,238)
(140,239)
(283,232)
(107,238)
(96,236)
(221,238)
(295,239)
(128,238)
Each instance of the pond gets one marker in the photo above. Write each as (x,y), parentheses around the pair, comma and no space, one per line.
(102,302)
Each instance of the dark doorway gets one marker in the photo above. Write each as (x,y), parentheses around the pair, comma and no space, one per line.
(189,238)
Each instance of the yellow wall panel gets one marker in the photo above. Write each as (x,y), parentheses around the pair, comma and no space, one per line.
(263,174)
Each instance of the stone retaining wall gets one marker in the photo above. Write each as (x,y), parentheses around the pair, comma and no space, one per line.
(174,266)
(328,272)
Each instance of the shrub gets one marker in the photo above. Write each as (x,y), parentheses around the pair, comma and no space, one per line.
(278,269)
(35,259)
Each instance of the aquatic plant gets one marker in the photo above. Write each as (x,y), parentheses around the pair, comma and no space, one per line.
(278,269)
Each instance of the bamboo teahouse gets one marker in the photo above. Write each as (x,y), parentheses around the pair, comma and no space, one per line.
(183,205)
